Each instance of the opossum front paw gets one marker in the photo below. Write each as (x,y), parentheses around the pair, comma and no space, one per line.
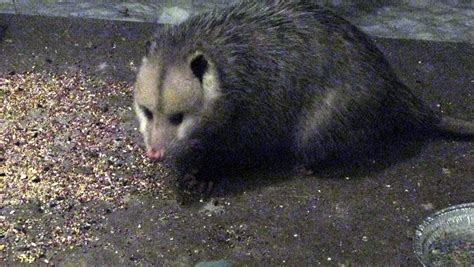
(192,183)
(191,187)
(188,182)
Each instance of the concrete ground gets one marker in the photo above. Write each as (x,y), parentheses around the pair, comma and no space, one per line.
(364,217)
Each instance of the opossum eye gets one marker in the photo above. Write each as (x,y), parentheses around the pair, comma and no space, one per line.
(176,119)
(148,114)
(199,66)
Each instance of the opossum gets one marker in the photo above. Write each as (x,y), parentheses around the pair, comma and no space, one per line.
(263,81)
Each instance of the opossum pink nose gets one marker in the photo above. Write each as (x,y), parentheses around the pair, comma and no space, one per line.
(156,154)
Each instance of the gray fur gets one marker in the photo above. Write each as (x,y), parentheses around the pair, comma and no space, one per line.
(296,81)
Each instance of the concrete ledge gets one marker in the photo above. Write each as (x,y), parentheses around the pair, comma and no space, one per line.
(448,20)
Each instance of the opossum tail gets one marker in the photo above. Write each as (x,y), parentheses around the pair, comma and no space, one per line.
(456,127)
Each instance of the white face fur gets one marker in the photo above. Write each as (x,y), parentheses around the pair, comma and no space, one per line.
(169,102)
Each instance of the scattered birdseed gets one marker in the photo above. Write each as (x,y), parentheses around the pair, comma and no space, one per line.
(68,157)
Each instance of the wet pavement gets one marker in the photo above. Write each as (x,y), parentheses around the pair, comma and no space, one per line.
(363,215)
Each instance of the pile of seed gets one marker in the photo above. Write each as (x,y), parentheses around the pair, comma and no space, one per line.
(68,157)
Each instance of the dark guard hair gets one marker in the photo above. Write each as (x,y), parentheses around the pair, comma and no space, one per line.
(298,83)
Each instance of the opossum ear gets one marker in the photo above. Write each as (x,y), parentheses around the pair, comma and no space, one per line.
(150,47)
(199,66)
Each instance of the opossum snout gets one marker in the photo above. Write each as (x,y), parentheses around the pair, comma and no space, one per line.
(156,154)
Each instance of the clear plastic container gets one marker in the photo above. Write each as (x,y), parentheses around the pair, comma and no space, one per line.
(446,238)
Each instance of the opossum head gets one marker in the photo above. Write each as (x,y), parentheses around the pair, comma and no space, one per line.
(171,96)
